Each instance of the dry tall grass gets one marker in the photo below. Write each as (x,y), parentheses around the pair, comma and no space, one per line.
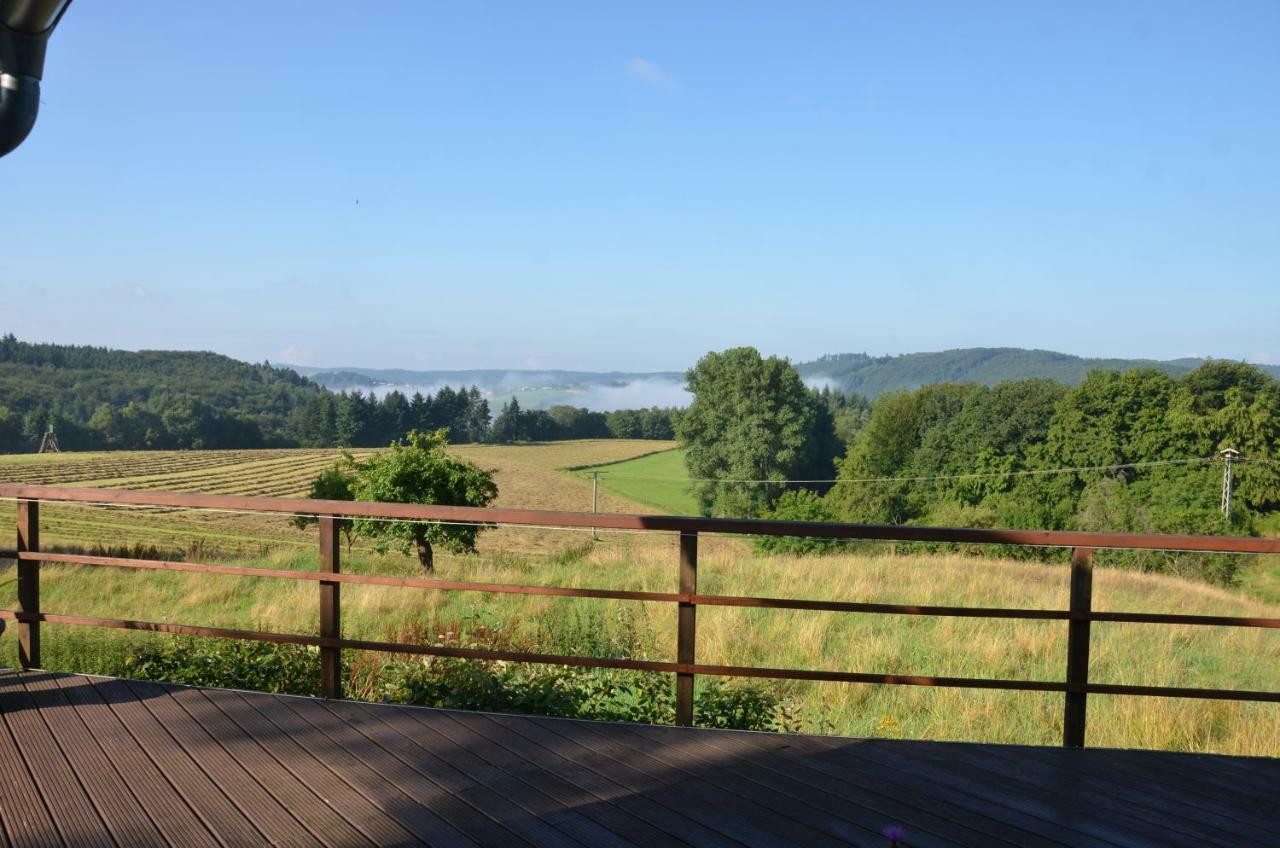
(1122,653)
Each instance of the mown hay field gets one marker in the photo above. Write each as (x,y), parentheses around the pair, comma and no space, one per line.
(529,476)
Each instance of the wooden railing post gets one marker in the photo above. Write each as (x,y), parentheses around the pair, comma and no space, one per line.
(687,623)
(28,584)
(1073,718)
(330,609)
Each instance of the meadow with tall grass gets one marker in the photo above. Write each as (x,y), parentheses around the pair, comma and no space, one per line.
(1122,653)
(545,476)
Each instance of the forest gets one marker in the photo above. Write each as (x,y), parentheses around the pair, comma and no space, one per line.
(1124,451)
(100,399)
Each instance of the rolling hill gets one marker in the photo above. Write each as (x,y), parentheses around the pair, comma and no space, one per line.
(852,372)
(873,375)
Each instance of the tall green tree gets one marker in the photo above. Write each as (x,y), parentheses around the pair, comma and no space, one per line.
(509,425)
(753,419)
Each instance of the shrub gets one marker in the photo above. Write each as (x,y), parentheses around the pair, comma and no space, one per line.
(799,505)
(260,666)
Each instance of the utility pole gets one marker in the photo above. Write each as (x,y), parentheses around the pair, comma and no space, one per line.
(595,500)
(1229,455)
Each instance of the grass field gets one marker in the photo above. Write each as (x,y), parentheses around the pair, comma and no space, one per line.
(528,476)
(657,480)
(1138,654)
(531,476)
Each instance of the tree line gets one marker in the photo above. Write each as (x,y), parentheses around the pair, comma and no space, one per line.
(1140,446)
(354,419)
(101,399)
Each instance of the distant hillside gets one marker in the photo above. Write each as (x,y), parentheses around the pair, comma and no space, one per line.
(873,375)
(852,372)
(101,398)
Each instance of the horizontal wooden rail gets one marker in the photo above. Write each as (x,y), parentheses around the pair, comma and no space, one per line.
(668,597)
(329,579)
(358,579)
(645,665)
(668,523)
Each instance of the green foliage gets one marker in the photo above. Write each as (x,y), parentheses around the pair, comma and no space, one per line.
(751,418)
(659,480)
(420,470)
(258,666)
(953,455)
(742,708)
(799,505)
(97,398)
(652,423)
(335,483)
(509,426)
(100,399)
(567,692)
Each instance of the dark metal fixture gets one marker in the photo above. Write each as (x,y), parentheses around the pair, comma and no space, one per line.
(25,27)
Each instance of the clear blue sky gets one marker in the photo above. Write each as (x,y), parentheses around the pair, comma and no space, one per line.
(608,185)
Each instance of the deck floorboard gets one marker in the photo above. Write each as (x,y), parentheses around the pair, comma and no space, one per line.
(103,762)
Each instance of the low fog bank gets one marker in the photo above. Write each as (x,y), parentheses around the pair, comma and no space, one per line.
(637,394)
(597,397)
(819,383)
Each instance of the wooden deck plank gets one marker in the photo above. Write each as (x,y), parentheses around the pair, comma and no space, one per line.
(463,730)
(383,726)
(166,808)
(796,816)
(856,760)
(647,794)
(579,785)
(188,779)
(77,820)
(1203,820)
(600,780)
(1064,805)
(715,807)
(1182,772)
(23,813)
(253,800)
(307,769)
(1176,778)
(871,807)
(109,791)
(374,786)
(308,808)
(435,797)
(524,793)
(1043,777)
(930,809)
(129,763)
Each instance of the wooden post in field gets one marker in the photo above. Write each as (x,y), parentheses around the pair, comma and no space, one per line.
(1073,719)
(686,623)
(595,499)
(28,584)
(330,609)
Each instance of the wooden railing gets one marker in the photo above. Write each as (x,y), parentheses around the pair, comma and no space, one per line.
(1079,616)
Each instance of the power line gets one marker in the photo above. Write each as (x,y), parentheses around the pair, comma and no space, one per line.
(974,475)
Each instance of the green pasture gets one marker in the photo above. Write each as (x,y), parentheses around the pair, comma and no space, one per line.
(659,480)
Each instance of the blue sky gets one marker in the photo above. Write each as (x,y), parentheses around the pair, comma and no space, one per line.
(608,185)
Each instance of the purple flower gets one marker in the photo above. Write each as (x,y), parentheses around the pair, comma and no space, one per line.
(894,833)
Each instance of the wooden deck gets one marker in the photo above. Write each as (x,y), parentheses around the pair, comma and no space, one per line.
(92,761)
